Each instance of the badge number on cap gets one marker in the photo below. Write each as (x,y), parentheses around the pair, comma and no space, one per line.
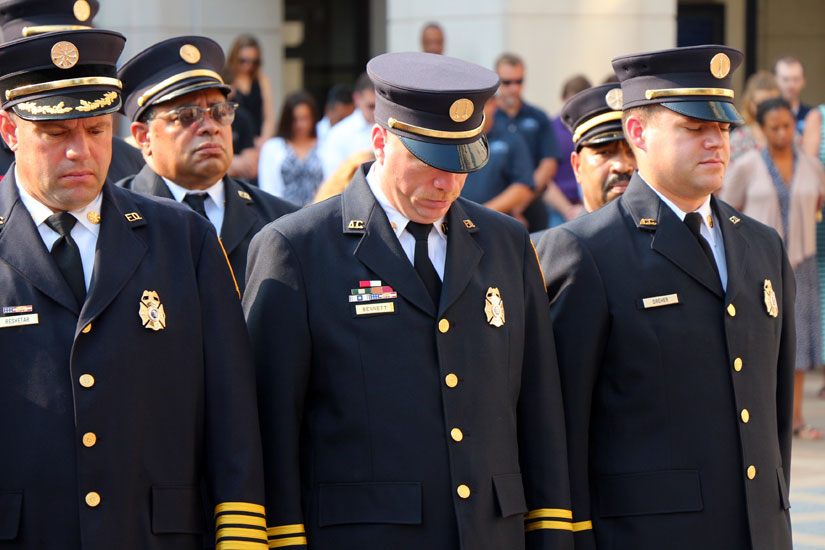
(64,55)
(720,65)
(190,54)
(81,10)
(461,109)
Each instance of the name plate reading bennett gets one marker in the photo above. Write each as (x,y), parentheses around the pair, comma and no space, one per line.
(371,309)
(658,301)
(19,320)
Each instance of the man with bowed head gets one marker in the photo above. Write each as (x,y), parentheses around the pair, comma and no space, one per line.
(408,388)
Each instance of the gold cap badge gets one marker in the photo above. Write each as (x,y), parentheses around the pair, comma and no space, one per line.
(494,307)
(81,10)
(614,99)
(461,109)
(190,54)
(151,311)
(64,55)
(720,65)
(770,299)
(93,217)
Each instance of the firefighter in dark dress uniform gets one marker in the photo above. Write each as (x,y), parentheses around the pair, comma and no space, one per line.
(127,393)
(176,100)
(674,325)
(406,369)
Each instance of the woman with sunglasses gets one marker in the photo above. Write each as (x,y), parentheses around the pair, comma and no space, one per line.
(253,91)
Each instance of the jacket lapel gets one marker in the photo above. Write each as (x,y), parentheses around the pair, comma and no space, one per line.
(238,218)
(148,182)
(22,247)
(736,247)
(119,251)
(379,248)
(671,237)
(463,255)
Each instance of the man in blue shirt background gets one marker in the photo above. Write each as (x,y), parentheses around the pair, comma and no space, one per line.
(505,184)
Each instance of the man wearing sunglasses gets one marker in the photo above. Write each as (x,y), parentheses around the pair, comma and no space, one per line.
(182,122)
(533,125)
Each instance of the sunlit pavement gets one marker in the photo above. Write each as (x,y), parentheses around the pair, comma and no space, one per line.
(808,473)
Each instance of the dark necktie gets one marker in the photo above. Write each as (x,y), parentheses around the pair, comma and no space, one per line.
(694,223)
(66,254)
(422,262)
(195,202)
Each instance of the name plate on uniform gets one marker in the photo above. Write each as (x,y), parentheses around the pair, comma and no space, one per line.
(659,301)
(19,320)
(372,309)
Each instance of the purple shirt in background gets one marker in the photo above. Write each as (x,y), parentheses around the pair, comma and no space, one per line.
(565,179)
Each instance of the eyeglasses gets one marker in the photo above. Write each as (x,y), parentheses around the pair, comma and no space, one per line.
(518,81)
(248,61)
(222,113)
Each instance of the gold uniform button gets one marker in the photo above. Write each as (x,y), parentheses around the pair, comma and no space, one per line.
(746,416)
(89,439)
(87,380)
(92,499)
(737,364)
(463,491)
(731,310)
(443,326)
(451,380)
(87,329)
(456,434)
(751,471)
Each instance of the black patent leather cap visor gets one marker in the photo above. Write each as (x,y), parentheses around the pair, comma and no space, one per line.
(459,159)
(715,111)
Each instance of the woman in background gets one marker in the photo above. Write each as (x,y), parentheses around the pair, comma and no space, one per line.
(783,188)
(289,165)
(252,89)
(814,145)
(759,87)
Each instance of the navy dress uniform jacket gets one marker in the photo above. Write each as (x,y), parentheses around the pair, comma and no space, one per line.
(248,209)
(91,401)
(679,415)
(414,428)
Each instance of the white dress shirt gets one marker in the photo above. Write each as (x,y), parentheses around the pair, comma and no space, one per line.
(710,230)
(214,203)
(349,136)
(436,242)
(84,232)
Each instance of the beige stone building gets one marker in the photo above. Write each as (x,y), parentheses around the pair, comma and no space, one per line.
(314,43)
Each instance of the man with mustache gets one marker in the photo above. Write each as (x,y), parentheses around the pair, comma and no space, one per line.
(181,120)
(127,399)
(673,316)
(408,388)
(602,160)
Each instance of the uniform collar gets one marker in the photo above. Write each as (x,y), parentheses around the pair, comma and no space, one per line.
(398,221)
(215,191)
(40,212)
(705,209)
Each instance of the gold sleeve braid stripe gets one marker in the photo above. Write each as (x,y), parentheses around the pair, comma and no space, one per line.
(284,535)
(554,518)
(563,525)
(548,513)
(240,526)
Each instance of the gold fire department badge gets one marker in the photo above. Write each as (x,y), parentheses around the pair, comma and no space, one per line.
(770,299)
(494,307)
(151,311)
